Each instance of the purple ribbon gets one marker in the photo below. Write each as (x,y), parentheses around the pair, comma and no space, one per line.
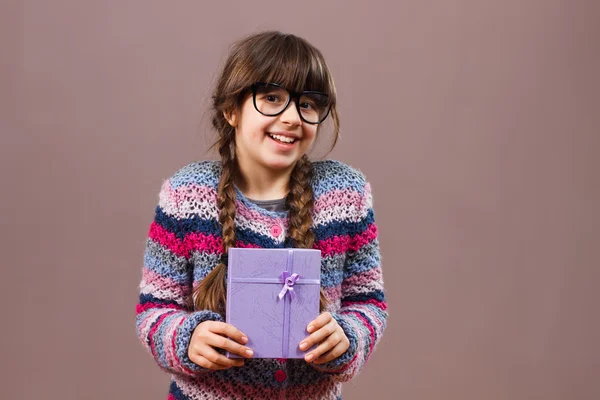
(289,281)
(286,306)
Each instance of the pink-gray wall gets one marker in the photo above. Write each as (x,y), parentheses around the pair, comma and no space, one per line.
(477,123)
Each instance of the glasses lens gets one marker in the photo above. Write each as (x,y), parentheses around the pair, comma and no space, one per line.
(270,99)
(314,106)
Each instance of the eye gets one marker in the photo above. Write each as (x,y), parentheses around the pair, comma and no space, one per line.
(307,105)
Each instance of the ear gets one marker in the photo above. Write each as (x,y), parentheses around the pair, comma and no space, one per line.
(231,118)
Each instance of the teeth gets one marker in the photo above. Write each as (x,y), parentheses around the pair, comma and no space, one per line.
(283,138)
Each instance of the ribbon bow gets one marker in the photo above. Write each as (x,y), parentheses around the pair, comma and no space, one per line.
(289,280)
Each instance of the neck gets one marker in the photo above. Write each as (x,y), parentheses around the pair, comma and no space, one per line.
(262,183)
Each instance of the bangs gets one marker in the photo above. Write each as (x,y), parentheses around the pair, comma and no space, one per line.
(288,61)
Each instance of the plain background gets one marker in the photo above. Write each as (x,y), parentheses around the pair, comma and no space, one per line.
(477,123)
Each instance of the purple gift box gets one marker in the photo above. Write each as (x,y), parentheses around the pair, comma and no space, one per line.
(272,296)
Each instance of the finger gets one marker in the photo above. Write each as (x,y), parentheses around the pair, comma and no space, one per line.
(319,322)
(324,347)
(333,353)
(230,331)
(320,335)
(229,345)
(205,363)
(215,357)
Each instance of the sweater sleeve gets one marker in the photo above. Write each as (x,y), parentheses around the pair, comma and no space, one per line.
(363,311)
(165,320)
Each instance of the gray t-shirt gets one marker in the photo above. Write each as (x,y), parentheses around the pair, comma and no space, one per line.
(270,205)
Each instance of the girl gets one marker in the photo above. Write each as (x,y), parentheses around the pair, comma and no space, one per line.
(271,97)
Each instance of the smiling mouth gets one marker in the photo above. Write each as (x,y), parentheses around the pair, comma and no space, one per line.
(282,139)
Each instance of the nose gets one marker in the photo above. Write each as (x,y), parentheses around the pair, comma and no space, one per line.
(290,114)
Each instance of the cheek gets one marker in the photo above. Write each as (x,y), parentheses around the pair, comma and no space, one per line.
(311,134)
(257,127)
(253,129)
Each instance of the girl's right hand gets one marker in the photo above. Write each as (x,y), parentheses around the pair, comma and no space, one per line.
(209,335)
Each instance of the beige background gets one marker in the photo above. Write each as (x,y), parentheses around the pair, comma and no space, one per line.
(477,123)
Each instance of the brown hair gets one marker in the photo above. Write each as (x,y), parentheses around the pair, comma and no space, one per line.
(297,65)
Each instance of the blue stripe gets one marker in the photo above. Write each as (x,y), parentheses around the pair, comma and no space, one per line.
(176,392)
(162,267)
(377,295)
(366,330)
(336,228)
(195,224)
(333,174)
(367,258)
(159,350)
(332,279)
(148,298)
(181,227)
(205,173)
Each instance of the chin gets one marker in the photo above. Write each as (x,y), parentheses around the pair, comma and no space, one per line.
(280,164)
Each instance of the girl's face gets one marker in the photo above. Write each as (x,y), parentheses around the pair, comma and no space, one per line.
(255,145)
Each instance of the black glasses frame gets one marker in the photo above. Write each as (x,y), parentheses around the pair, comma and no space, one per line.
(293,96)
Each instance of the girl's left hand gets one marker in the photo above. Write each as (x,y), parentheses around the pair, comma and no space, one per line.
(332,340)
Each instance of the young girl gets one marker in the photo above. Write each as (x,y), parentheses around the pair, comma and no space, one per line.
(271,97)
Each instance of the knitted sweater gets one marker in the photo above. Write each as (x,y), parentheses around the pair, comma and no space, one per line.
(184,245)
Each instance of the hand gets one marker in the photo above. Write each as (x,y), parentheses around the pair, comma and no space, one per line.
(209,335)
(332,340)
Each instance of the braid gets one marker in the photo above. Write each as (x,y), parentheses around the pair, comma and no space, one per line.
(300,202)
(210,294)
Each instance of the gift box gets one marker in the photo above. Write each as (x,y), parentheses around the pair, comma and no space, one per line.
(272,296)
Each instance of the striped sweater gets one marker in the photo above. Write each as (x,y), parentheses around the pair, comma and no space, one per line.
(184,245)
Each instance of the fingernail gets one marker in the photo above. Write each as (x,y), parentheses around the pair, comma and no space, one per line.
(249,352)
(244,339)
(310,357)
(310,328)
(303,346)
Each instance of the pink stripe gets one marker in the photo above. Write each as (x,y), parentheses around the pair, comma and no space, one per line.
(144,325)
(174,348)
(140,308)
(164,282)
(380,304)
(345,197)
(153,331)
(192,242)
(167,239)
(202,242)
(377,322)
(364,278)
(169,332)
(333,245)
(178,202)
(193,191)
(364,238)
(333,293)
(337,197)
(342,243)
(252,215)
(369,327)
(371,314)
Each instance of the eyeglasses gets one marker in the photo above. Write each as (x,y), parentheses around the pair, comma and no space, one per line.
(271,99)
